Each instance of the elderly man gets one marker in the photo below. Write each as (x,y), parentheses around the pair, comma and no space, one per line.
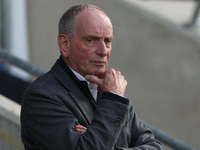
(78,105)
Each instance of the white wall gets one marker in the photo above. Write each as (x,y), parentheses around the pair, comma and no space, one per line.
(9,125)
(18,38)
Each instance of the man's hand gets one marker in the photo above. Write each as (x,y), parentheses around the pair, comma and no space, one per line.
(110,80)
(80,128)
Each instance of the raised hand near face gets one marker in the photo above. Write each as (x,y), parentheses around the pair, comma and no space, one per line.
(110,80)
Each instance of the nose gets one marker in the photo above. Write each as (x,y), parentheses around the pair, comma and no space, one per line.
(102,49)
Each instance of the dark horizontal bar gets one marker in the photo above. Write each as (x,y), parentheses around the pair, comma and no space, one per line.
(28,67)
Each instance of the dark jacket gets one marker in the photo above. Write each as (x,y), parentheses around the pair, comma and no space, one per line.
(55,103)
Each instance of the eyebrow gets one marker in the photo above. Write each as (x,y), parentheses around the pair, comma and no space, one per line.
(110,37)
(99,37)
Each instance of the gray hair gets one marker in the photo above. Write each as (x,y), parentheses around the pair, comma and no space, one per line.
(68,20)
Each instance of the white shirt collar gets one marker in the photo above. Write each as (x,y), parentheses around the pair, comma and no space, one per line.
(92,87)
(80,77)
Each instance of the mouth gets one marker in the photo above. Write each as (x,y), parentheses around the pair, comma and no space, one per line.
(100,63)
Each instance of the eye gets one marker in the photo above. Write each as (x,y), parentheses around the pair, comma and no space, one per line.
(90,40)
(107,41)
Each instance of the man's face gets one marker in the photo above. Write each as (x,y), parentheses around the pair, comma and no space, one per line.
(90,47)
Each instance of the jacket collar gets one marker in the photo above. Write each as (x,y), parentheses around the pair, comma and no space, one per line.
(66,77)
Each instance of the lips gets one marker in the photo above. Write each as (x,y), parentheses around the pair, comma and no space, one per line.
(99,63)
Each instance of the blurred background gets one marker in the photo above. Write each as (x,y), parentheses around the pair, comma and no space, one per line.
(156,46)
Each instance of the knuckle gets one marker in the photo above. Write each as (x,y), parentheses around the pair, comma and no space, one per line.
(112,70)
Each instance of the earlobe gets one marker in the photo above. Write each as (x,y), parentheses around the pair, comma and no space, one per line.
(63,43)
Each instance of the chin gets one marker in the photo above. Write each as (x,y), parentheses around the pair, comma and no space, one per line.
(99,72)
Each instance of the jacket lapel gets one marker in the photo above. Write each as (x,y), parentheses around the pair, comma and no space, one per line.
(74,91)
(83,104)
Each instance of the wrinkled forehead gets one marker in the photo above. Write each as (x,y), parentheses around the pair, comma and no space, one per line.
(91,16)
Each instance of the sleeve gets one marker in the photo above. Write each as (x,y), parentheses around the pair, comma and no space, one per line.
(141,137)
(48,123)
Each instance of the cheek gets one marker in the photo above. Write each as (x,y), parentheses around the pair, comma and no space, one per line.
(83,57)
(78,52)
(109,52)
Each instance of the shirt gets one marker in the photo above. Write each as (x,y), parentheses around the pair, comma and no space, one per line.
(92,87)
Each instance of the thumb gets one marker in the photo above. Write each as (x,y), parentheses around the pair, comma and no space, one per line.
(93,79)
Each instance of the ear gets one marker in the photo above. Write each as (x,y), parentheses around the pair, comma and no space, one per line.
(63,43)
